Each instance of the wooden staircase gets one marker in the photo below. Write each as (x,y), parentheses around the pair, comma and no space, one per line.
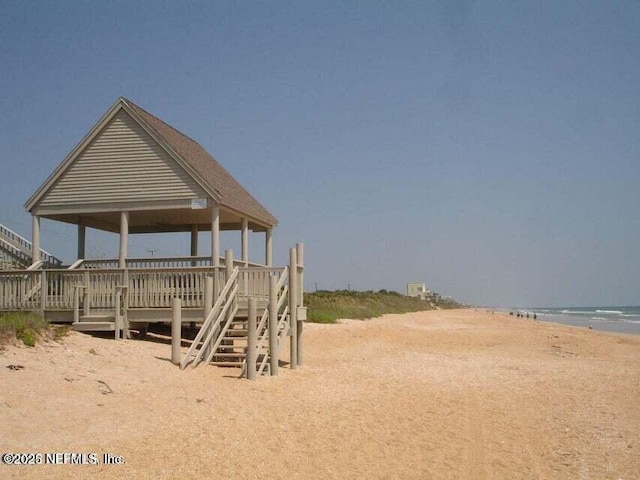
(232,351)
(15,251)
(223,339)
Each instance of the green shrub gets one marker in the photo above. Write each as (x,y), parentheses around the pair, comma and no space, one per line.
(327,307)
(24,326)
(28,337)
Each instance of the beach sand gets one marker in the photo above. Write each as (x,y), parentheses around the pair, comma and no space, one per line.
(432,395)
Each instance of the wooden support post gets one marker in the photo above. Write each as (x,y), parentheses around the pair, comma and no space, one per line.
(87,294)
(118,318)
(252,340)
(35,238)
(76,304)
(176,330)
(194,240)
(82,241)
(228,263)
(300,323)
(215,248)
(208,296)
(43,291)
(215,236)
(125,304)
(208,306)
(124,239)
(293,308)
(268,247)
(300,259)
(245,242)
(273,324)
(194,244)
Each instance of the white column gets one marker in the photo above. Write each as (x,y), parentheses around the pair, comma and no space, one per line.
(268,247)
(293,307)
(245,242)
(124,239)
(215,236)
(35,238)
(176,330)
(82,235)
(194,240)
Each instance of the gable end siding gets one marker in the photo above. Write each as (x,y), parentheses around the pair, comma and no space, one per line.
(122,164)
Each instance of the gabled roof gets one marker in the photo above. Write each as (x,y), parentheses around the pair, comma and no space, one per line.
(196,160)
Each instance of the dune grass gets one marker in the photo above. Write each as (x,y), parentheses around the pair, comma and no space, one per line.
(25,326)
(328,306)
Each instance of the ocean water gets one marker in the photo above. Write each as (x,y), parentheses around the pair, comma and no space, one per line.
(608,319)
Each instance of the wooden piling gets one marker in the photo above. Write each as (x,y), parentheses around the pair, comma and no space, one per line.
(176,330)
(273,324)
(300,323)
(252,340)
(293,308)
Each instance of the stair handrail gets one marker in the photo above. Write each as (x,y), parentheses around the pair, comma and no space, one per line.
(16,239)
(35,266)
(76,265)
(260,344)
(15,252)
(25,246)
(265,315)
(283,324)
(212,318)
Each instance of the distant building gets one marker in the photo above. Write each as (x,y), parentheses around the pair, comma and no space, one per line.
(419,290)
(416,290)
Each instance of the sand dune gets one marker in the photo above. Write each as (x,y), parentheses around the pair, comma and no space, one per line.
(440,395)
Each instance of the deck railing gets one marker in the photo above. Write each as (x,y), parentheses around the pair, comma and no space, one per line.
(60,288)
(158,262)
(19,290)
(147,288)
(156,287)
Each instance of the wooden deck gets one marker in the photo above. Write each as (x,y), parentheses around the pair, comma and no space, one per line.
(96,296)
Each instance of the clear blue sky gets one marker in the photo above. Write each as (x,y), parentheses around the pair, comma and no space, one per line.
(489,149)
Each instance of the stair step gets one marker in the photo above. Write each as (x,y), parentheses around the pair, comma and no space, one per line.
(236,333)
(230,355)
(98,317)
(94,326)
(227,364)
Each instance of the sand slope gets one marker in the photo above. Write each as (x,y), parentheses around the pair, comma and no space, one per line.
(442,395)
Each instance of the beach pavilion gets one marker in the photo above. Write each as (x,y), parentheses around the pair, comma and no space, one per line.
(133,173)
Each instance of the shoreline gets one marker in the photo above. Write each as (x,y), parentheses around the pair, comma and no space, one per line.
(439,394)
(600,324)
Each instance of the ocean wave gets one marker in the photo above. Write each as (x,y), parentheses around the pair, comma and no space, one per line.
(599,318)
(614,312)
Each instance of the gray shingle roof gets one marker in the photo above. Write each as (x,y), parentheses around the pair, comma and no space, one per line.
(232,194)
